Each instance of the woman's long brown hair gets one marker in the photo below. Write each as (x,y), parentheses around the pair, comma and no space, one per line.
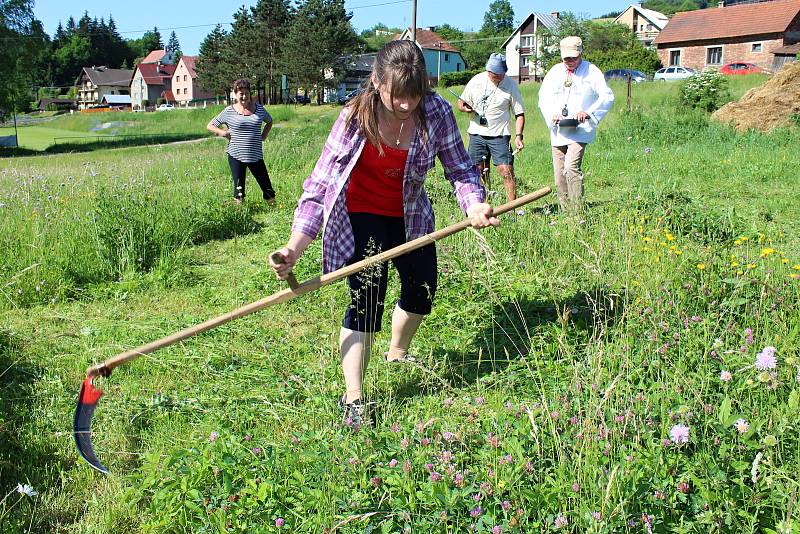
(399,65)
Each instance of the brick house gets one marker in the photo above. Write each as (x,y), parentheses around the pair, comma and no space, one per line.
(94,83)
(523,49)
(440,56)
(152,79)
(184,82)
(645,23)
(761,33)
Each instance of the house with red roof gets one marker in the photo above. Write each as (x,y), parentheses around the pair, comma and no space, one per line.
(152,80)
(765,33)
(440,56)
(184,82)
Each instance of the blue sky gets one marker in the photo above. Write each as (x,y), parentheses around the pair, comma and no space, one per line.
(192,21)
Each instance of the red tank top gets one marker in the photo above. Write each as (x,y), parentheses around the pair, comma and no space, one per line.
(376,182)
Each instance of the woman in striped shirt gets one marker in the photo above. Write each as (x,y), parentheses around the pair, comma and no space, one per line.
(245,136)
(367,195)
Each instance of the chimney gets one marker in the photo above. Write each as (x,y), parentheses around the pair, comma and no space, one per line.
(555,14)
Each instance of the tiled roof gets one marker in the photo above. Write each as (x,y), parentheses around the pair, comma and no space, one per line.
(154,56)
(189,61)
(430,40)
(105,76)
(153,75)
(733,21)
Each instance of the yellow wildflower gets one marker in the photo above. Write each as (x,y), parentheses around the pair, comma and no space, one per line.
(744,238)
(765,252)
(678,252)
(796,267)
(670,237)
(734,264)
(701,266)
(751,265)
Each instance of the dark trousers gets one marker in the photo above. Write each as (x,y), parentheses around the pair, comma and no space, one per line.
(417,269)
(259,170)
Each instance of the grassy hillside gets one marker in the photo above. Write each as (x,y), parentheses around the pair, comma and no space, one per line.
(561,354)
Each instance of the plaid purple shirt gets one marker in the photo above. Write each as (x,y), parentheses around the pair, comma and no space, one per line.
(323,203)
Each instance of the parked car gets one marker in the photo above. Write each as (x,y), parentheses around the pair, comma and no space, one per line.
(344,99)
(636,76)
(165,107)
(673,73)
(299,99)
(741,67)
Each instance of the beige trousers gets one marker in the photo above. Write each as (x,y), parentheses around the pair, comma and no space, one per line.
(567,161)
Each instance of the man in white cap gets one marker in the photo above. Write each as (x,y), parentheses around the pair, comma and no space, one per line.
(574,98)
(493,98)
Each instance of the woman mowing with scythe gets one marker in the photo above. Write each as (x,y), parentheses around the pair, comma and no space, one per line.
(367,195)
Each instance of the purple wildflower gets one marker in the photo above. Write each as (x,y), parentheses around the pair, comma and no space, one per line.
(725,376)
(766,359)
(213,436)
(393,462)
(679,434)
(280,522)
(476,512)
(560,521)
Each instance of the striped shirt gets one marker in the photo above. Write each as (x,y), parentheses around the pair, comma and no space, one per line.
(245,142)
(323,204)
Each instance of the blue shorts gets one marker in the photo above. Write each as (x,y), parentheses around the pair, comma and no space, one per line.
(483,149)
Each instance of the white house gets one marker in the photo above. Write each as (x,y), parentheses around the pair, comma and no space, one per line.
(524,48)
(645,23)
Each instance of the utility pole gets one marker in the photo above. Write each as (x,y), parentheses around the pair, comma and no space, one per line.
(16,134)
(414,21)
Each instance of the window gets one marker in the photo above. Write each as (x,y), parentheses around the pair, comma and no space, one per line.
(184,77)
(674,57)
(714,55)
(670,70)
(757,48)
(524,61)
(458,67)
(649,27)
(446,58)
(526,41)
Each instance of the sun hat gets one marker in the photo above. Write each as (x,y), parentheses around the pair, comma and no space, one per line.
(497,64)
(571,46)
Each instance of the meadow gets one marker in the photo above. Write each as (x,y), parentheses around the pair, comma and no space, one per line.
(631,369)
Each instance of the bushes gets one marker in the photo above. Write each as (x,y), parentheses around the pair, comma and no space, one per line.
(708,91)
(457,78)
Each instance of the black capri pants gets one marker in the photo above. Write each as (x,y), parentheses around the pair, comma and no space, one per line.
(417,269)
(259,170)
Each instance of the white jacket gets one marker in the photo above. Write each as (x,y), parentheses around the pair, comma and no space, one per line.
(589,92)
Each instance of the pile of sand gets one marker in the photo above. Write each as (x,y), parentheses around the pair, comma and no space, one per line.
(768,106)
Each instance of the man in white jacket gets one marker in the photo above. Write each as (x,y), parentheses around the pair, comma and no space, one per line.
(574,98)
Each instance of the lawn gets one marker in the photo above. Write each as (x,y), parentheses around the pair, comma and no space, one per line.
(634,369)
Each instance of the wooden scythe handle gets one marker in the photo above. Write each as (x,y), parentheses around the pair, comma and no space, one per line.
(312,284)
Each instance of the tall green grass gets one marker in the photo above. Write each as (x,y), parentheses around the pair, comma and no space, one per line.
(561,354)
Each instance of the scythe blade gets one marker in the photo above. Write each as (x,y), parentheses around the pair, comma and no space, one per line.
(82,425)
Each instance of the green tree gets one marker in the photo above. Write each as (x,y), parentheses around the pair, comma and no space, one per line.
(71,58)
(209,67)
(606,44)
(319,65)
(271,19)
(174,45)
(499,19)
(23,44)
(449,33)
